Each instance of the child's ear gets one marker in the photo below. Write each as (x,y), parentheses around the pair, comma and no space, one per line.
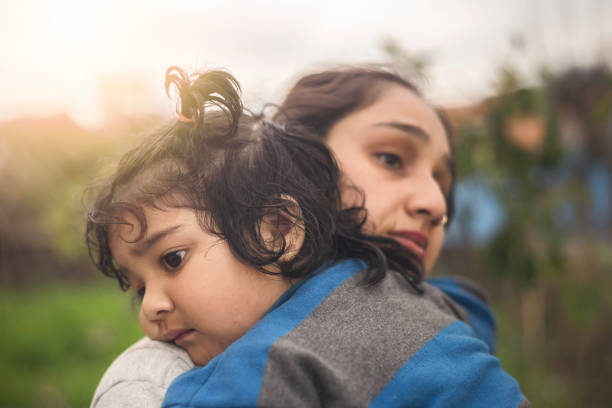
(287,224)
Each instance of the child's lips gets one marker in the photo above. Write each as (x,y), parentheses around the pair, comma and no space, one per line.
(414,241)
(177,336)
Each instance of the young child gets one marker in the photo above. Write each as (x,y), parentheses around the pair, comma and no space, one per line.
(232,232)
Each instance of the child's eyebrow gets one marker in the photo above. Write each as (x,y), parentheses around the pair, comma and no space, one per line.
(409,129)
(150,241)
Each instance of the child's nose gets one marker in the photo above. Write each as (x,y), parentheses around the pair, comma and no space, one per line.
(156,303)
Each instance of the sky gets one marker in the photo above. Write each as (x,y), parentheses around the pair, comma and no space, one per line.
(89,58)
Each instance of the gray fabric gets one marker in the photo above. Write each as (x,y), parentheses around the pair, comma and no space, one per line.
(388,315)
(140,376)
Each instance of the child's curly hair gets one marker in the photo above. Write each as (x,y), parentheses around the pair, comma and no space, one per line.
(233,169)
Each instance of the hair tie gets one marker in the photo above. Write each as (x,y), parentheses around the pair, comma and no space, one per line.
(271,124)
(183,118)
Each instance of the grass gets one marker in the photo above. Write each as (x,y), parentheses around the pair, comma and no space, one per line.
(57,341)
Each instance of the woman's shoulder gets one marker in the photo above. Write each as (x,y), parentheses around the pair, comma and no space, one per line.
(376,343)
(141,374)
(470,301)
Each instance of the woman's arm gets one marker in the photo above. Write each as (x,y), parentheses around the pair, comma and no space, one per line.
(140,376)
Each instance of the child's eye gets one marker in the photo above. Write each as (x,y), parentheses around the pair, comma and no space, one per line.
(140,294)
(390,160)
(173,260)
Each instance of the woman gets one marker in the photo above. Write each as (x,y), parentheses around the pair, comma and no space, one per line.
(394,148)
(397,150)
(389,143)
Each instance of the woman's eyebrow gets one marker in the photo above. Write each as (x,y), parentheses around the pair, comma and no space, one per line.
(406,128)
(150,241)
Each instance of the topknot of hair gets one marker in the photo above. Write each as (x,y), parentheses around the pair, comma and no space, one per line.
(200,92)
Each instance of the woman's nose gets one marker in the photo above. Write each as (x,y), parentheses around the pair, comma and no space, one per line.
(426,199)
(156,303)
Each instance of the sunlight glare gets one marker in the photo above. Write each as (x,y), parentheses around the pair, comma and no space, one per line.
(70,28)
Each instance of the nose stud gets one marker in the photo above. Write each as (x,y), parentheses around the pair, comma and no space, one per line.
(444,220)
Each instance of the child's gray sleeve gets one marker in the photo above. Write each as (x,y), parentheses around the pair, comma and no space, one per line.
(140,376)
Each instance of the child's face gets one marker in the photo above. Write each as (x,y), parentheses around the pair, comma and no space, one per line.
(195,293)
(397,152)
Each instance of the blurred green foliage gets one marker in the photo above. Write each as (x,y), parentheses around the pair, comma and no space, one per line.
(57,337)
(46,165)
(58,340)
(536,149)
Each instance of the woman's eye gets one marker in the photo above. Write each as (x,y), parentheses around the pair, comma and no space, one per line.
(173,260)
(445,181)
(390,160)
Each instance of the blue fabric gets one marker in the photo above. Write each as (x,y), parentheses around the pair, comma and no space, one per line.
(481,317)
(454,369)
(245,360)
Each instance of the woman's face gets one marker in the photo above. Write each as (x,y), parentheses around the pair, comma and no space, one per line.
(397,152)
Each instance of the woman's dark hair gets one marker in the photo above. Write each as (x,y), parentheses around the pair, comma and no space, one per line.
(319,100)
(234,169)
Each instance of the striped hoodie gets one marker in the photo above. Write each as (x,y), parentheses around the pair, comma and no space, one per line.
(332,342)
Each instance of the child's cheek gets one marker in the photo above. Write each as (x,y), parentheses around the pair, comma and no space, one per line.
(151,330)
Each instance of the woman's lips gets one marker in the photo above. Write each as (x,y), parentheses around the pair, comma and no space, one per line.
(414,241)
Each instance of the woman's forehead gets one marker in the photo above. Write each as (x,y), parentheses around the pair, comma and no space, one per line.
(398,100)
(397,107)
